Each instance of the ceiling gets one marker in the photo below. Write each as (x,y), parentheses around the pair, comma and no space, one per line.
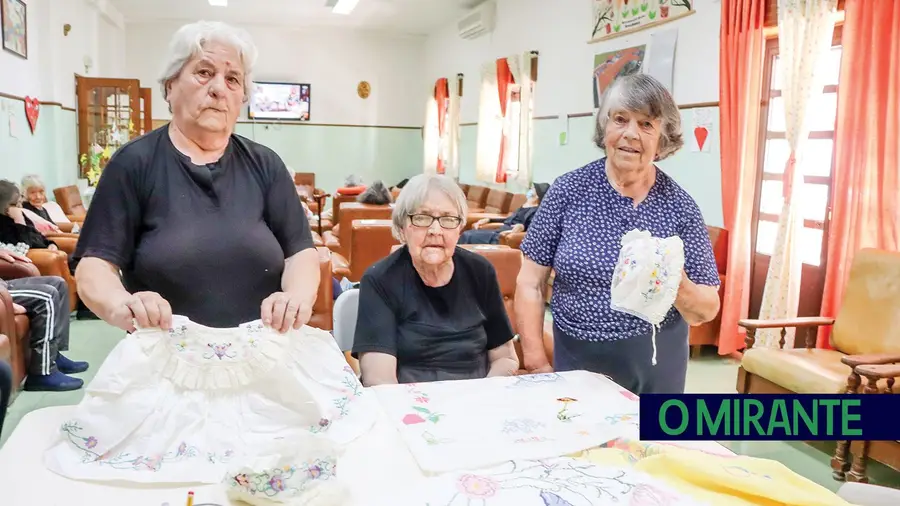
(398,16)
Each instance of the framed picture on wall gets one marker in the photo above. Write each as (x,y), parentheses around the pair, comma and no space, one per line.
(14,24)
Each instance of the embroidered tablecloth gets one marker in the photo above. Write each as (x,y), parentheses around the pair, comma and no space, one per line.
(456,425)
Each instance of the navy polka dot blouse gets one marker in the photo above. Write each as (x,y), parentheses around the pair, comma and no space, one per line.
(577,231)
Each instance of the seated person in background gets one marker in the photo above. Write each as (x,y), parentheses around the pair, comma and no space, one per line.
(376,194)
(45,299)
(518,222)
(15,228)
(431,311)
(35,194)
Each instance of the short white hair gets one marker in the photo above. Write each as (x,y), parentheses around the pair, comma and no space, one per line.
(415,195)
(189,40)
(32,181)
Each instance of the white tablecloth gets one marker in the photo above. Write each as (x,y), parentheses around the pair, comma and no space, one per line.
(378,469)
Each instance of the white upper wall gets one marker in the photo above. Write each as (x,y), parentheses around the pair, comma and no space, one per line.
(54,59)
(333,61)
(559,30)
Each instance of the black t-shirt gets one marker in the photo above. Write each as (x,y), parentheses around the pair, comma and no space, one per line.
(436,333)
(210,239)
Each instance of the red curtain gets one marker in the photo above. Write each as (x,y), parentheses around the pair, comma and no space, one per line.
(504,79)
(441,96)
(741,55)
(866,186)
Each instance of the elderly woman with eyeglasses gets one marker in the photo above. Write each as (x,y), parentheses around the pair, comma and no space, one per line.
(199,221)
(431,311)
(577,233)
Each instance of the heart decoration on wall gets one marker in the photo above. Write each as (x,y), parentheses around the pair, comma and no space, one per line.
(32,111)
(701,133)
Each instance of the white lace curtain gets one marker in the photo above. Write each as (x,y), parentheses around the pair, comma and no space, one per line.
(512,129)
(805,30)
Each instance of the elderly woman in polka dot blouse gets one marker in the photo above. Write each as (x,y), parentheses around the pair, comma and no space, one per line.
(577,232)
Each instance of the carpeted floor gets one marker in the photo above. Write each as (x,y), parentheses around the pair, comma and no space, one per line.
(709,373)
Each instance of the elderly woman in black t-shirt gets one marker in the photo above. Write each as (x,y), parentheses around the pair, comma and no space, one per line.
(200,221)
(431,311)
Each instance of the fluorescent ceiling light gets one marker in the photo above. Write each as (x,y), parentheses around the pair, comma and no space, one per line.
(218,3)
(345,6)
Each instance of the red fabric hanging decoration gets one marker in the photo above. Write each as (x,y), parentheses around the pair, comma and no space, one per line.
(442,97)
(504,79)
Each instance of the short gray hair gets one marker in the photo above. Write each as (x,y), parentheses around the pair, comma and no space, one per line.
(189,40)
(415,194)
(644,94)
(32,181)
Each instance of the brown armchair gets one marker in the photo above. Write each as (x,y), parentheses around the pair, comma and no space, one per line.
(339,239)
(507,262)
(56,263)
(69,199)
(864,333)
(324,306)
(708,333)
(372,240)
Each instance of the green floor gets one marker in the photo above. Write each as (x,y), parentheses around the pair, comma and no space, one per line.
(93,340)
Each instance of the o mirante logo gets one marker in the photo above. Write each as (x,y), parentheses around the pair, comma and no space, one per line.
(767,417)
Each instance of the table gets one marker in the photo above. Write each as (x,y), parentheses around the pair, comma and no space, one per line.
(378,467)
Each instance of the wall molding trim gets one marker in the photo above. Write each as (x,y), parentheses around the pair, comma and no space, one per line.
(22,99)
(697,105)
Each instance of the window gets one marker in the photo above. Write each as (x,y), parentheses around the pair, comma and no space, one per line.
(815,192)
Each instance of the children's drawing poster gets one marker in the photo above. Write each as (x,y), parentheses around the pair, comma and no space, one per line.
(614,18)
(453,425)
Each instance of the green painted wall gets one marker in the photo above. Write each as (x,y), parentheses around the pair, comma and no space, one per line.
(51,151)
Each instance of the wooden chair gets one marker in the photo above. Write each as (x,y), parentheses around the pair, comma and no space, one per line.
(864,333)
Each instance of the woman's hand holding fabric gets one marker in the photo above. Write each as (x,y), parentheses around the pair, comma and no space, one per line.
(282,311)
(147,309)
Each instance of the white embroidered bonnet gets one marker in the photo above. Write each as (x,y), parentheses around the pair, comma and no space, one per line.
(646,278)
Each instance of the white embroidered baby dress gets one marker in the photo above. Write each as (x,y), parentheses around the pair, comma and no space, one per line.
(206,405)
(646,278)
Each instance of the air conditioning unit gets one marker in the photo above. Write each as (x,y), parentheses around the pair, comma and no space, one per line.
(478,22)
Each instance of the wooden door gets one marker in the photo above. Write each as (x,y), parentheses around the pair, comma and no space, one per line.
(815,194)
(146,110)
(108,116)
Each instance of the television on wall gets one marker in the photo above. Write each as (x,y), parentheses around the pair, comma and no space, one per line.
(279,101)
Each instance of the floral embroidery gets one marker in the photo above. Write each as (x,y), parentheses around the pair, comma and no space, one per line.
(623,418)
(219,350)
(432,440)
(123,460)
(563,414)
(179,333)
(531,439)
(352,390)
(528,380)
(523,425)
(288,479)
(477,487)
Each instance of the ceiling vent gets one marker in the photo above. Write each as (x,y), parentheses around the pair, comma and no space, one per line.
(480,21)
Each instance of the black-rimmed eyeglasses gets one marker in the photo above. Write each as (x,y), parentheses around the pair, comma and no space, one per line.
(425,221)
